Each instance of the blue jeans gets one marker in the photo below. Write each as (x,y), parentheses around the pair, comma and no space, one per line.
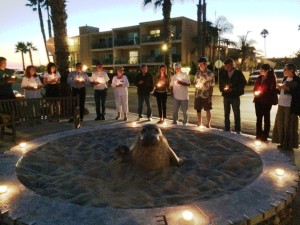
(141,99)
(233,102)
(100,99)
(183,104)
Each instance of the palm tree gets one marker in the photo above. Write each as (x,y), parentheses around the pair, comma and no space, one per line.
(21,47)
(36,6)
(298,27)
(246,48)
(30,48)
(264,33)
(59,20)
(166,11)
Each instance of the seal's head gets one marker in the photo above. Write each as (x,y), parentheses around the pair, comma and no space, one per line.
(150,135)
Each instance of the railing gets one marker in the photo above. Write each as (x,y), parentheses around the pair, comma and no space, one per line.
(103,60)
(127,60)
(124,42)
(101,45)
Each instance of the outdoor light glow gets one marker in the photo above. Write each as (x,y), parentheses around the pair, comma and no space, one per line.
(165,123)
(257,142)
(3,189)
(133,123)
(279,172)
(23,144)
(187,215)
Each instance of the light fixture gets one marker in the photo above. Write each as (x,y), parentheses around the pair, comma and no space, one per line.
(23,144)
(257,142)
(279,172)
(3,189)
(187,215)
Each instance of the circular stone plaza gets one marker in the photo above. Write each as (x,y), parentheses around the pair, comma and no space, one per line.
(71,177)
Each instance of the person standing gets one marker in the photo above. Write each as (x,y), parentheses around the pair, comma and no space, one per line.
(204,84)
(99,79)
(264,93)
(6,80)
(232,83)
(78,81)
(285,131)
(179,89)
(144,83)
(120,86)
(161,90)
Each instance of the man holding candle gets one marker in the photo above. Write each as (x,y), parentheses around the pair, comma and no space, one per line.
(232,83)
(78,81)
(179,89)
(204,83)
(6,81)
(99,80)
(144,83)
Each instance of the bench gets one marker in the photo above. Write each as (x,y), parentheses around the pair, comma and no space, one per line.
(18,111)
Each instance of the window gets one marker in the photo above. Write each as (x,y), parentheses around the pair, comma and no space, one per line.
(133,37)
(155,33)
(133,57)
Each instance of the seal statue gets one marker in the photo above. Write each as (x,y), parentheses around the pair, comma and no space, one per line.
(150,150)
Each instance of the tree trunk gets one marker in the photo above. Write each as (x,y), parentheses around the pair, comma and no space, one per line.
(204,29)
(43,29)
(30,56)
(167,6)
(200,28)
(23,61)
(59,20)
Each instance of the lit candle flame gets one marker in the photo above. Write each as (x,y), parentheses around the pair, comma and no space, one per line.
(226,87)
(257,93)
(3,189)
(257,142)
(23,144)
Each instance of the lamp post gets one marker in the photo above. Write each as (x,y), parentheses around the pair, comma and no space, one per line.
(164,48)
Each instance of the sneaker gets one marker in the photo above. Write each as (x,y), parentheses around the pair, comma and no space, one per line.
(139,119)
(102,118)
(238,132)
(184,124)
(97,118)
(149,119)
(117,117)
(160,122)
(174,122)
(125,119)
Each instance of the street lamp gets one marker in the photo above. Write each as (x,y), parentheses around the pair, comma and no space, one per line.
(164,48)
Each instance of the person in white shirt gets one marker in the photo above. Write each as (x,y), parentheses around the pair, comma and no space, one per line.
(52,81)
(179,89)
(32,85)
(120,86)
(99,79)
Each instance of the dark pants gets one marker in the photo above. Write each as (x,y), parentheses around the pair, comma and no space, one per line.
(233,102)
(161,99)
(100,99)
(82,93)
(262,110)
(141,99)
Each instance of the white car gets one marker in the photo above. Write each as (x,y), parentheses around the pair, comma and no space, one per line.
(255,74)
(19,74)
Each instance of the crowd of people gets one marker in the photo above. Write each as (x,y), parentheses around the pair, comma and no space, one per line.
(231,85)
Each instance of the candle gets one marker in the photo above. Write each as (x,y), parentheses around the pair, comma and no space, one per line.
(257,142)
(158,84)
(80,79)
(226,87)
(23,144)
(13,77)
(256,93)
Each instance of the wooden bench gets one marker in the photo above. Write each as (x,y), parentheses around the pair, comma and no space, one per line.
(18,111)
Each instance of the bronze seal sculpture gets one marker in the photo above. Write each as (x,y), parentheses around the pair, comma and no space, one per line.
(150,150)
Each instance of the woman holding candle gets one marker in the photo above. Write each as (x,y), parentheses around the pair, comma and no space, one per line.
(285,130)
(52,81)
(264,92)
(120,86)
(161,88)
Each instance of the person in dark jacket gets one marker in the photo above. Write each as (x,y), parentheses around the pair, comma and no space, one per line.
(144,83)
(264,92)
(231,85)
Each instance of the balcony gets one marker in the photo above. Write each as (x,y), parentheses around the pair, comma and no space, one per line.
(124,42)
(101,45)
(153,38)
(159,58)
(105,61)
(127,60)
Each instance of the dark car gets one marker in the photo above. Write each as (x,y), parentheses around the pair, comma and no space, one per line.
(253,76)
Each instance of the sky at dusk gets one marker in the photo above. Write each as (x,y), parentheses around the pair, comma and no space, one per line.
(280,17)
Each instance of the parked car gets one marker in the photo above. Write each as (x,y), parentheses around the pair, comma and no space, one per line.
(253,76)
(279,75)
(19,74)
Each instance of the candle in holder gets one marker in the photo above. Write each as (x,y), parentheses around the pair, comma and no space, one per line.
(256,93)
(158,84)
(226,87)
(80,79)
(199,85)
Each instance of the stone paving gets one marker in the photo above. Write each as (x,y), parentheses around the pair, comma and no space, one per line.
(265,196)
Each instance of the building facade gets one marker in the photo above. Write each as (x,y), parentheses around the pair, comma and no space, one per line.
(131,46)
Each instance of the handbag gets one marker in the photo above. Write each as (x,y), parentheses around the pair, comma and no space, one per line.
(154,93)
